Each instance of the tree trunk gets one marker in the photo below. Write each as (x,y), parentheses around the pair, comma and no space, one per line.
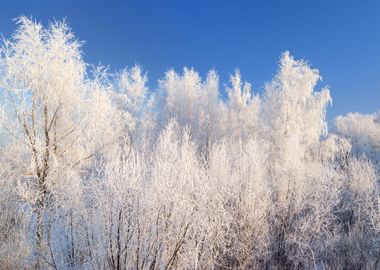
(39,232)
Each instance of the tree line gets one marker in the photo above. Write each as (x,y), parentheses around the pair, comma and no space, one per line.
(99,172)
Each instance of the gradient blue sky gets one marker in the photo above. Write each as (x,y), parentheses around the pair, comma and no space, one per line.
(340,38)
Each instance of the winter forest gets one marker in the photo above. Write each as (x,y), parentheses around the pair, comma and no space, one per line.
(99,172)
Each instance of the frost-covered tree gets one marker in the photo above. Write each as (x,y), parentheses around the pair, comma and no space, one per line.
(294,124)
(363,132)
(42,80)
(242,109)
(49,107)
(192,103)
(131,97)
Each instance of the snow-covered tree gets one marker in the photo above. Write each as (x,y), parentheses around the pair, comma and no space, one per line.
(363,131)
(49,108)
(192,103)
(242,109)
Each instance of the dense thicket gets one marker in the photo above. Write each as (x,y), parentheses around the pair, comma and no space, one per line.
(98,172)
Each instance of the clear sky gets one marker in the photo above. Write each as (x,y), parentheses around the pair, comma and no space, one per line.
(339,37)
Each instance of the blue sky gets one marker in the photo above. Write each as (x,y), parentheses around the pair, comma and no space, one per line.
(340,38)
